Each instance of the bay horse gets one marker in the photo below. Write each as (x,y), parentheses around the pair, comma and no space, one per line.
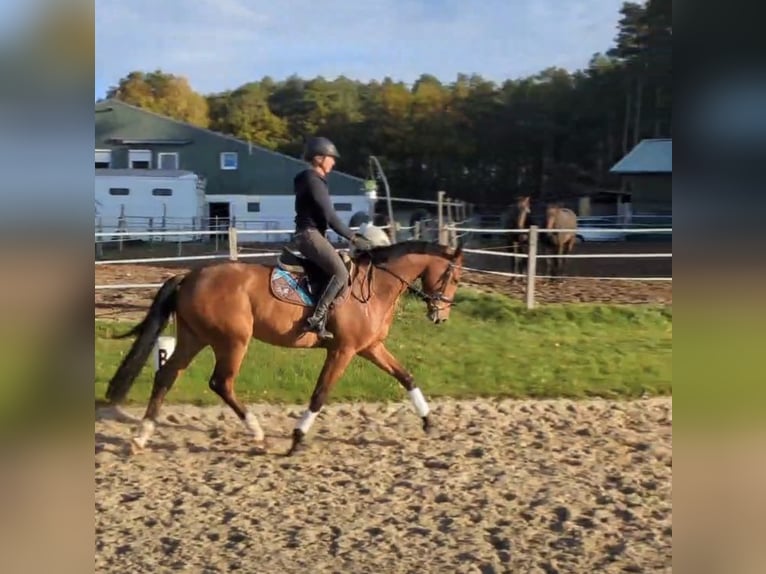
(225,305)
(560,243)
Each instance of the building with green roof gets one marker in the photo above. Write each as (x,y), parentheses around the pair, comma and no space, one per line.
(241,179)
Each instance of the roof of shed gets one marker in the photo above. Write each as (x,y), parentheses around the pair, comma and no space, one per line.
(649,156)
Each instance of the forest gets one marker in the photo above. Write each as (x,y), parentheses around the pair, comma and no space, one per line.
(552,135)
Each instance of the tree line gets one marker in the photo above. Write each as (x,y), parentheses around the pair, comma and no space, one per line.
(549,135)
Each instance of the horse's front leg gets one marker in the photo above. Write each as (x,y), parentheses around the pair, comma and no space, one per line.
(379,356)
(334,366)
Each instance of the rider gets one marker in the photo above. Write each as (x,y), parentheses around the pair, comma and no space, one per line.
(314,212)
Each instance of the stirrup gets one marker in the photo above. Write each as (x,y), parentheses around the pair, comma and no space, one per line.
(317,326)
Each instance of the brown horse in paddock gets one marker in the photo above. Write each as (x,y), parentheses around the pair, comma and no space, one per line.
(226,305)
(558,217)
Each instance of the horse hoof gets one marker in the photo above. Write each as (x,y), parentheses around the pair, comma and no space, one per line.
(426,425)
(297,440)
(293,449)
(259,447)
(136,445)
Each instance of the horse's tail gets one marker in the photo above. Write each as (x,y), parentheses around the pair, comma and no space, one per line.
(148,331)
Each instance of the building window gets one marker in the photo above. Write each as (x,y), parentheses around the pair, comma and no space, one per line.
(119,191)
(167,160)
(253,207)
(342,206)
(140,159)
(103,158)
(163,191)
(229,160)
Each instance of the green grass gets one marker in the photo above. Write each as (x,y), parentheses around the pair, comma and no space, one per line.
(491,346)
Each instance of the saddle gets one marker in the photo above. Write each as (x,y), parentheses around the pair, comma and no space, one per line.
(299,281)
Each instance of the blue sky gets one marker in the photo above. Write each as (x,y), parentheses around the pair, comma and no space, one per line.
(221,44)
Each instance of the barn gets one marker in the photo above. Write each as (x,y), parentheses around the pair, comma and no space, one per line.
(240,180)
(648,172)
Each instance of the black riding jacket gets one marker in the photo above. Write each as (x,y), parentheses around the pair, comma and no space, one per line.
(313,207)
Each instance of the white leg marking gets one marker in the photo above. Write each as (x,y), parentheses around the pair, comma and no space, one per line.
(306,421)
(419,401)
(147,428)
(251,422)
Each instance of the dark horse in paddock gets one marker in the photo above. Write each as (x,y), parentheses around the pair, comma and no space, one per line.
(519,218)
(226,305)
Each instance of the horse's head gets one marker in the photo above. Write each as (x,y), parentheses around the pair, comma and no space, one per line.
(522,210)
(523,205)
(440,280)
(551,211)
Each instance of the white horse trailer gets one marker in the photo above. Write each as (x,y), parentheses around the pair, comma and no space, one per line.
(146,200)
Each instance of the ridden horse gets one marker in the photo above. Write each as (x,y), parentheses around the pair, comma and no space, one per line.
(226,305)
(520,219)
(559,243)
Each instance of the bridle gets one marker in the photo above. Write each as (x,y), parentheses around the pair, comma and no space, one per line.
(433,299)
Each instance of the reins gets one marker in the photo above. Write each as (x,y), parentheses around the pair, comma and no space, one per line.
(435,297)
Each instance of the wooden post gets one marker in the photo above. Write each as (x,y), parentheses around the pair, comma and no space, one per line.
(532,267)
(233,243)
(392,235)
(442,239)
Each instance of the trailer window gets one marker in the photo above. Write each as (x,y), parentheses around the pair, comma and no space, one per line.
(342,206)
(164,191)
(253,207)
(119,191)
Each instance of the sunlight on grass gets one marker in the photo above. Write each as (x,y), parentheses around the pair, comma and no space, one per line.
(491,346)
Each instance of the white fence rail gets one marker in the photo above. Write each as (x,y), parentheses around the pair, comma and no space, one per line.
(446,230)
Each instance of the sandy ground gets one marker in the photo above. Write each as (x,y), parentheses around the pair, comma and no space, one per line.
(498,486)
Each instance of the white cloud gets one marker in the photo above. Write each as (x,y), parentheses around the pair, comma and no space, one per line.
(221,44)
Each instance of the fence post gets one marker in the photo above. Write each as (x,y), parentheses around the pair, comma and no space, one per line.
(532,267)
(416,231)
(233,243)
(99,244)
(440,196)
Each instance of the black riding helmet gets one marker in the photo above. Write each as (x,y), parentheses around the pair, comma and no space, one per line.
(319,146)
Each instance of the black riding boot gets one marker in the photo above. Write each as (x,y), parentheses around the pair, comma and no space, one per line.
(317,321)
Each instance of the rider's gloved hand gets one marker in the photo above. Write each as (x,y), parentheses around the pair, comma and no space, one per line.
(361,242)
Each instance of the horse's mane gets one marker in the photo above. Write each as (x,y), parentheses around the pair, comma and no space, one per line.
(386,253)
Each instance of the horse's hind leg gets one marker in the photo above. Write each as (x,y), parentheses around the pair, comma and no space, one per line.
(228,360)
(569,248)
(382,358)
(187,347)
(515,265)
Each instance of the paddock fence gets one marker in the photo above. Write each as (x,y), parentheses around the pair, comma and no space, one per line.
(452,222)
